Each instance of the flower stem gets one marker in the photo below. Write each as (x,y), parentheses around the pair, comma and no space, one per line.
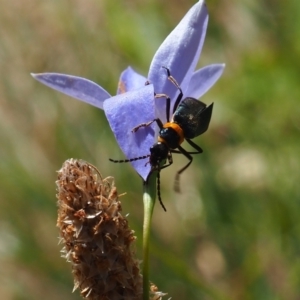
(149,201)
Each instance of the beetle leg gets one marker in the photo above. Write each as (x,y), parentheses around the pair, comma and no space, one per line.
(174,81)
(195,146)
(158,121)
(188,156)
(168,104)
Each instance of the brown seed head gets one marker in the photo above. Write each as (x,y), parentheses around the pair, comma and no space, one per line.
(97,239)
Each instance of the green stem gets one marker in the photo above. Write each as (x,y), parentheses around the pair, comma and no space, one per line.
(149,201)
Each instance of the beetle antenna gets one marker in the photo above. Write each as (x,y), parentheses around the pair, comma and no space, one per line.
(128,160)
(158,190)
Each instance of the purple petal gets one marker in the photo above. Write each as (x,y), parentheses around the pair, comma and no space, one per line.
(76,87)
(180,52)
(126,111)
(203,79)
(130,80)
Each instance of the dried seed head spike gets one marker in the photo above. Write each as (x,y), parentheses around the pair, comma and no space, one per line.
(97,239)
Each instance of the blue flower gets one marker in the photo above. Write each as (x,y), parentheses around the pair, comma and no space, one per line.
(135,103)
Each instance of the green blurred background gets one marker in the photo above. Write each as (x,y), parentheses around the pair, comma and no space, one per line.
(234,231)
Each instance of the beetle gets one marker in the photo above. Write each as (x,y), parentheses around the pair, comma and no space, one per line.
(190,118)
